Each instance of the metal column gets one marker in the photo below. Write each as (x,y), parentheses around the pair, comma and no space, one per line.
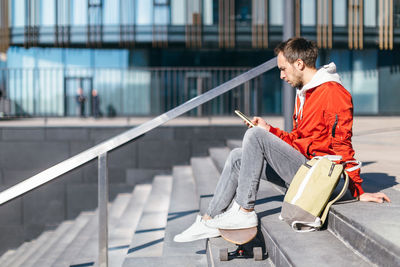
(288,91)
(103,210)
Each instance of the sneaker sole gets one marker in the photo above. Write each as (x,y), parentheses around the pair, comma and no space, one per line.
(196,238)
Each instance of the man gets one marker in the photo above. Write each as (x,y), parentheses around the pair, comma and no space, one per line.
(322,125)
(80,100)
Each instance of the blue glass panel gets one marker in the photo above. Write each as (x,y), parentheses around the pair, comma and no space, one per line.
(339,12)
(308,13)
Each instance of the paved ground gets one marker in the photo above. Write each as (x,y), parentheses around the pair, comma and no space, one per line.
(376,139)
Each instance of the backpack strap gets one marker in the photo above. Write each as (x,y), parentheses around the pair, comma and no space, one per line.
(327,207)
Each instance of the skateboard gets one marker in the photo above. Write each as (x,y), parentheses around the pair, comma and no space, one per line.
(240,237)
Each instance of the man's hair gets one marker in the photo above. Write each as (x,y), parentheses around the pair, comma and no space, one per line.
(298,48)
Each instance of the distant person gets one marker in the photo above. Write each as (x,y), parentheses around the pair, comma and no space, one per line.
(95,104)
(80,100)
(322,125)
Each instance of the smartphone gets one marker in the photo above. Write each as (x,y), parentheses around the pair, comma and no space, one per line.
(245,118)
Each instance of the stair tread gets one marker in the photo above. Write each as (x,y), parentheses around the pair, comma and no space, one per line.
(118,207)
(8,254)
(34,246)
(58,233)
(90,253)
(51,255)
(219,155)
(206,179)
(357,224)
(16,254)
(233,143)
(171,261)
(76,245)
(149,235)
(121,235)
(183,209)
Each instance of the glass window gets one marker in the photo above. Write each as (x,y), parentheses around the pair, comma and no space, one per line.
(396,16)
(258,11)
(161,15)
(18,12)
(144,12)
(308,12)
(365,82)
(339,13)
(208,12)
(79,13)
(48,7)
(193,8)
(111,10)
(178,12)
(276,13)
(243,12)
(370,13)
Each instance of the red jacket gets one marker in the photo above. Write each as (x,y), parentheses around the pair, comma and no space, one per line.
(325,127)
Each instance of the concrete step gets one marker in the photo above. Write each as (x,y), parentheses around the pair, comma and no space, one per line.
(77,244)
(231,144)
(29,251)
(219,155)
(121,235)
(183,209)
(20,251)
(50,256)
(206,177)
(89,255)
(117,207)
(149,235)
(172,261)
(52,241)
(6,256)
(370,228)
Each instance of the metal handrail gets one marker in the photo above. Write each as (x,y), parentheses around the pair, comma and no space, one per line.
(100,151)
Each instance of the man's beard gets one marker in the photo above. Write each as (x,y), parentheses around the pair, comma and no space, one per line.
(298,84)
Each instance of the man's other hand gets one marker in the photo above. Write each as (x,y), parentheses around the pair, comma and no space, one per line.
(374,197)
(260,122)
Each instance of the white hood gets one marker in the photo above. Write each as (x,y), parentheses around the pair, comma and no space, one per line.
(325,74)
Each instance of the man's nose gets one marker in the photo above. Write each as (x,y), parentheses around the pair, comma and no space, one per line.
(282,75)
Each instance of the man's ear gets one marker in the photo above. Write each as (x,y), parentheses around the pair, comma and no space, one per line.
(299,64)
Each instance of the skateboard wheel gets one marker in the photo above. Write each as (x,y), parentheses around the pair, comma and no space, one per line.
(223,254)
(257,252)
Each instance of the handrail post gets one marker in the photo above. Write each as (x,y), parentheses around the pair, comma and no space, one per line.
(103,210)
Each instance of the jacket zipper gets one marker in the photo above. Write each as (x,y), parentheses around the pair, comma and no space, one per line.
(334,126)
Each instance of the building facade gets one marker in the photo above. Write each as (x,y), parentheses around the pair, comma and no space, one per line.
(144,57)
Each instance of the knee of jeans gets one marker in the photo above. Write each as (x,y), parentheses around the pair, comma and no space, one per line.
(254,133)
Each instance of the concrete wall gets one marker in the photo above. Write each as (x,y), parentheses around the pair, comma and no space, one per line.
(25,151)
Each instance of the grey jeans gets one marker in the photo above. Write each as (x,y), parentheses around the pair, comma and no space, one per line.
(262,156)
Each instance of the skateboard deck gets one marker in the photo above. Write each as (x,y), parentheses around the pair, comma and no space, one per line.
(240,237)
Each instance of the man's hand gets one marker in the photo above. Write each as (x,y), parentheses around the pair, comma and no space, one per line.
(374,197)
(260,122)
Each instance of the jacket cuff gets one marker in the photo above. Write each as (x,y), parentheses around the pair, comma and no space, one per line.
(356,189)
(273,130)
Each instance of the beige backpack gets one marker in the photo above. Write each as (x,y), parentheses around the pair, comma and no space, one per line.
(306,205)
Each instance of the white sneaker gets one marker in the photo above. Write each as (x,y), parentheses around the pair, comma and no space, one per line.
(234,218)
(198,230)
